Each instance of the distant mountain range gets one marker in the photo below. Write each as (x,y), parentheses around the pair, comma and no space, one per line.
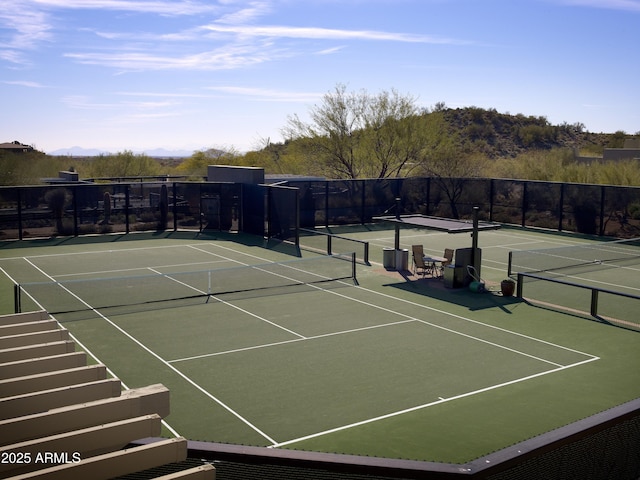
(92,152)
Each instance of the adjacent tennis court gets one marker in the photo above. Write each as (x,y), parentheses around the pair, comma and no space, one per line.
(262,347)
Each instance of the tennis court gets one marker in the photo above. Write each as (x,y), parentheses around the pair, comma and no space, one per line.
(299,354)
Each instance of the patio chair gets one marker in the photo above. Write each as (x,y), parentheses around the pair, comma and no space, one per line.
(448,255)
(418,260)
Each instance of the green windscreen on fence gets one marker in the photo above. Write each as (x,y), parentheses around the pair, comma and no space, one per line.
(153,290)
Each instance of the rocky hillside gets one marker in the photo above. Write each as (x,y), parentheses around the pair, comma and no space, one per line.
(504,135)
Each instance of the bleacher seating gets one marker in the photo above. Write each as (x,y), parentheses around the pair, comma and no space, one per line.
(61,418)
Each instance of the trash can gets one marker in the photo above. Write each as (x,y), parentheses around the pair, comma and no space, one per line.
(402,260)
(389,258)
(454,276)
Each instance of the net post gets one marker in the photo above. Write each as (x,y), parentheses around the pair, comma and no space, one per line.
(16,298)
(329,252)
(594,302)
(353,268)
(509,272)
(519,285)
(366,253)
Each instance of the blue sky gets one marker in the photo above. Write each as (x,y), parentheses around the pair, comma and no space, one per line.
(193,74)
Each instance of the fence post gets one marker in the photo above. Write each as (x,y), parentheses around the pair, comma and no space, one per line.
(491,195)
(17,307)
(297,219)
(428,203)
(267,211)
(200,214)
(127,197)
(353,268)
(75,211)
(362,199)
(602,200)
(561,207)
(519,285)
(20,229)
(174,190)
(509,272)
(326,203)
(525,202)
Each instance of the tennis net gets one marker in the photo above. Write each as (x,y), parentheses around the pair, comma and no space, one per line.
(154,290)
(614,253)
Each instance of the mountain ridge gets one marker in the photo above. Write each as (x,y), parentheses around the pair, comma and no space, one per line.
(77,151)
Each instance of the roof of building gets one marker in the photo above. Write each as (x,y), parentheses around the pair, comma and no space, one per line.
(15,145)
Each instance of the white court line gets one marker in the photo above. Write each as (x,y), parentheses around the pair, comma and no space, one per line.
(387,310)
(376,306)
(455,331)
(408,318)
(433,309)
(590,358)
(231,250)
(232,305)
(426,405)
(195,247)
(460,317)
(296,340)
(136,268)
(92,252)
(586,280)
(158,357)
(88,351)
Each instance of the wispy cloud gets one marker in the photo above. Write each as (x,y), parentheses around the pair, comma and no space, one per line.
(84,102)
(170,7)
(29,23)
(318,33)
(25,83)
(246,15)
(162,94)
(624,5)
(224,58)
(329,51)
(234,40)
(25,29)
(263,94)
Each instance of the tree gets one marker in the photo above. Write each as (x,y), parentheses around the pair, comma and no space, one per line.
(197,163)
(332,134)
(394,136)
(124,164)
(616,140)
(450,168)
(28,168)
(273,157)
(448,162)
(356,134)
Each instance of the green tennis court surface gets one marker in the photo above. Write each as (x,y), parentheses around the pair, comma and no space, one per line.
(299,356)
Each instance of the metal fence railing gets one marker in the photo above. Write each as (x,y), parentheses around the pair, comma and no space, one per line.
(85,208)
(329,244)
(615,307)
(583,208)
